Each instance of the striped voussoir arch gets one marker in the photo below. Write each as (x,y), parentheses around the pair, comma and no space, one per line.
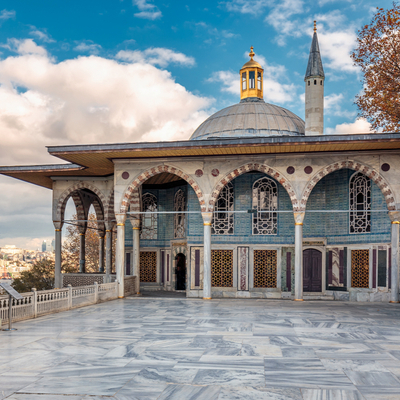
(253,167)
(62,201)
(178,250)
(144,176)
(355,166)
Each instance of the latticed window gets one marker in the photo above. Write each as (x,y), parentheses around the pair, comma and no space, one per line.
(149,220)
(179,218)
(360,203)
(222,223)
(265,203)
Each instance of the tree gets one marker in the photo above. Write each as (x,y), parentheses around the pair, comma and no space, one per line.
(71,246)
(40,276)
(378,55)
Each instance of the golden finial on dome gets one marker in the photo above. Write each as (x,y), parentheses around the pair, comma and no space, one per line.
(251,54)
(315,26)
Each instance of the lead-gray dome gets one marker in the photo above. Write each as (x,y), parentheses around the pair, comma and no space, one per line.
(253,118)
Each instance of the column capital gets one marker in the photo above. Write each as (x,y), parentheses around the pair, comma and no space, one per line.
(58,225)
(299,217)
(121,218)
(207,217)
(135,222)
(394,216)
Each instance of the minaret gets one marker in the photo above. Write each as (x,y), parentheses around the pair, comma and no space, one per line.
(251,80)
(314,80)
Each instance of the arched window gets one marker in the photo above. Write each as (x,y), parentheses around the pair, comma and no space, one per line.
(222,223)
(149,220)
(244,85)
(360,203)
(265,202)
(179,218)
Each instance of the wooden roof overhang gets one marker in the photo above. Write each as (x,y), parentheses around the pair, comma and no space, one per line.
(97,160)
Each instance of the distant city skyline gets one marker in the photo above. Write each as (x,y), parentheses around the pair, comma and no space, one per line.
(148,70)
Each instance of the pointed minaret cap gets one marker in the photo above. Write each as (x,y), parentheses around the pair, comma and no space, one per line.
(314,66)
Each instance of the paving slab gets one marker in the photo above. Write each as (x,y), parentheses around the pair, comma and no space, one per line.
(161,348)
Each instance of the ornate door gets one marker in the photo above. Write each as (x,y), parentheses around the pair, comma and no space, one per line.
(312,270)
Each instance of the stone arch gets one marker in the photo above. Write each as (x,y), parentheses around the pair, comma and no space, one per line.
(355,166)
(141,178)
(254,167)
(98,208)
(178,250)
(109,207)
(62,201)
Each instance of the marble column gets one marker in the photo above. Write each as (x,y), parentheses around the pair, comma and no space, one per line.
(109,226)
(136,251)
(120,253)
(395,218)
(57,250)
(207,218)
(82,248)
(298,256)
(101,251)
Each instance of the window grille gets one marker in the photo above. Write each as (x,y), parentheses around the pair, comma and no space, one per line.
(360,203)
(252,83)
(222,223)
(244,85)
(179,219)
(149,221)
(259,81)
(265,201)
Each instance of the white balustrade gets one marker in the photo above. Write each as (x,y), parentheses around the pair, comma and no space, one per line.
(43,302)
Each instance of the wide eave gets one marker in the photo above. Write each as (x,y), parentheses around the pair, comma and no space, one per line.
(97,160)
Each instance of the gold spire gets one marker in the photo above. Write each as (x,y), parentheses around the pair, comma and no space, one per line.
(251,54)
(315,26)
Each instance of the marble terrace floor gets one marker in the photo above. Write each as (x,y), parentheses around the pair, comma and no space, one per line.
(161,348)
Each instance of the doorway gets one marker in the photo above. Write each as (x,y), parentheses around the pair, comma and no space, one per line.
(180,270)
(312,270)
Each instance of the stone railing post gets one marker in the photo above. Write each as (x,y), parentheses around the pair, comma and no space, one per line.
(96,292)
(69,297)
(34,302)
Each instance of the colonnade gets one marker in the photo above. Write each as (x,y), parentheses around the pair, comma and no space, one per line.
(207,219)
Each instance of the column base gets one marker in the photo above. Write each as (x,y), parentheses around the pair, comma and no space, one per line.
(207,298)
(121,297)
(298,300)
(394,301)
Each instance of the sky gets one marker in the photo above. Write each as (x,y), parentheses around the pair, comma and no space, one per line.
(106,71)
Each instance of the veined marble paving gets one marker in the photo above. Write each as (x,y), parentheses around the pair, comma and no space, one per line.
(150,348)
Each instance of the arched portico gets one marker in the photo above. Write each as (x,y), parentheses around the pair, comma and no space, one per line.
(131,200)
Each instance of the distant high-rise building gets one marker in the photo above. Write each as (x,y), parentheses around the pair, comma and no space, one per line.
(44,245)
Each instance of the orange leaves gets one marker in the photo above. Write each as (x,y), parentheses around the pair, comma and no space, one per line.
(377,54)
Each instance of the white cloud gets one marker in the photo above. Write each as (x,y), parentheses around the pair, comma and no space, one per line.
(41,35)
(5,14)
(254,7)
(228,79)
(332,106)
(156,56)
(89,99)
(358,126)
(280,17)
(25,46)
(215,33)
(147,10)
(88,46)
(336,47)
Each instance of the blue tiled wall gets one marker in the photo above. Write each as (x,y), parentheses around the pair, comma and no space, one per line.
(331,193)
(165,222)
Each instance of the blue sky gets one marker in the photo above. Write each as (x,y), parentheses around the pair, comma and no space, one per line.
(111,71)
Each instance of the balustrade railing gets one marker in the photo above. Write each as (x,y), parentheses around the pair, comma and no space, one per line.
(43,302)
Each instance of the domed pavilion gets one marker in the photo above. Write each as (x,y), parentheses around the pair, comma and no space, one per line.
(256,204)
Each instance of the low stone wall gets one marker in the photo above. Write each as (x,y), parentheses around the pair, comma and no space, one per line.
(130,285)
(44,302)
(82,279)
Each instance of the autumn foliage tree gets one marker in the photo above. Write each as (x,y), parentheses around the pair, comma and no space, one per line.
(378,55)
(71,245)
